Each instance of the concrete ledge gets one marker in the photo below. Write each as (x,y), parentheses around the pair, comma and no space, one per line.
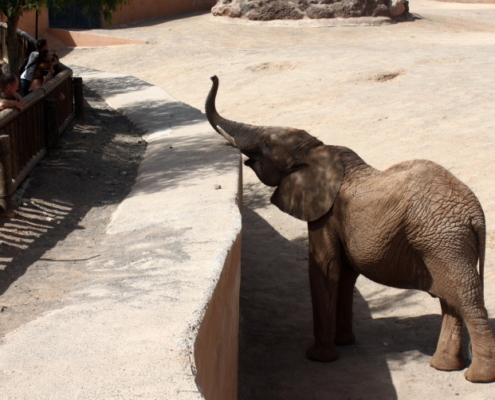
(216,345)
(83,39)
(158,317)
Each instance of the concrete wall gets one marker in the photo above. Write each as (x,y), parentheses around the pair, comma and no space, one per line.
(197,181)
(135,10)
(211,282)
(216,345)
(145,9)
(83,39)
(27,22)
(217,342)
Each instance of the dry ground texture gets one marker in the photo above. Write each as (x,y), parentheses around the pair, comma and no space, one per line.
(420,89)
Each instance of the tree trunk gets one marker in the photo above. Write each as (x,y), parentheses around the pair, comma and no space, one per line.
(14,47)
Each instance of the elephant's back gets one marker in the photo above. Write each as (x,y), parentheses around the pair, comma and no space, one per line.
(434,194)
(442,210)
(403,216)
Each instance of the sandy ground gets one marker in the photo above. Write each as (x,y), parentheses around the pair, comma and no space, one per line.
(421,89)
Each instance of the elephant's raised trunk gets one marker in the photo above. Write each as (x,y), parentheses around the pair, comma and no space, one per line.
(211,111)
(243,136)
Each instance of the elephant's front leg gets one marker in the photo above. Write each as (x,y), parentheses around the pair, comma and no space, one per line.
(347,280)
(323,278)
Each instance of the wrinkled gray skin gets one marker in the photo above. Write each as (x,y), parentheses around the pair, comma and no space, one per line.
(411,226)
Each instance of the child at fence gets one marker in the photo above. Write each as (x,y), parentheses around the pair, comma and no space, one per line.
(9,98)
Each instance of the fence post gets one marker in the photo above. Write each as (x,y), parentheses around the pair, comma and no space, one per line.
(51,129)
(78,97)
(6,195)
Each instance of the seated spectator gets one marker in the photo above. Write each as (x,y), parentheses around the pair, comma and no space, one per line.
(43,70)
(27,75)
(9,98)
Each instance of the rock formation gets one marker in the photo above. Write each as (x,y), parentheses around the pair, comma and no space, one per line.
(267,10)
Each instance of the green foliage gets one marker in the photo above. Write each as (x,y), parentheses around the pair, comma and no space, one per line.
(11,8)
(107,7)
(15,8)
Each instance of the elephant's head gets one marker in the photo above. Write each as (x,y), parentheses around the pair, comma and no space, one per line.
(307,174)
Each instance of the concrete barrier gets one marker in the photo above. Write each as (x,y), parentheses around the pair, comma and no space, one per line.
(158,317)
(72,38)
(214,335)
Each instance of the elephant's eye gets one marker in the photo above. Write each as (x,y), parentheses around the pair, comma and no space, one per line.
(265,147)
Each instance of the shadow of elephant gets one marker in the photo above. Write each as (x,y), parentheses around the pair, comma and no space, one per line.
(276,328)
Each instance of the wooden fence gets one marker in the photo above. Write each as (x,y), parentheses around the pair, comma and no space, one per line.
(27,136)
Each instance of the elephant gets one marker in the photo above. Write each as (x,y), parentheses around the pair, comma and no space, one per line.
(412,226)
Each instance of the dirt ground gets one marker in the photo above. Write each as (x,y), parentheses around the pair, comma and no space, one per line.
(420,89)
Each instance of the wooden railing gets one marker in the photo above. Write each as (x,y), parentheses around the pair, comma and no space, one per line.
(26,136)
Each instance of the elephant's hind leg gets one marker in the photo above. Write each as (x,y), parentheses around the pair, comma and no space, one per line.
(457,281)
(482,368)
(448,355)
(466,296)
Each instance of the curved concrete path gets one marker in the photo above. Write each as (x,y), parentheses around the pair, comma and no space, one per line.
(130,332)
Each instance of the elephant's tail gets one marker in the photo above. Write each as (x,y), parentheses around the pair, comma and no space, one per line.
(480,230)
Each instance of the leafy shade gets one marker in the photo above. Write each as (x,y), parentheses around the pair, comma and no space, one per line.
(107,7)
(11,7)
(13,10)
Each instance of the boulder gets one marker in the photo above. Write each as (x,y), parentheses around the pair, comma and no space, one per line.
(398,8)
(267,10)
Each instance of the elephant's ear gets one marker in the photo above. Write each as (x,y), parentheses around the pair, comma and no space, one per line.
(309,191)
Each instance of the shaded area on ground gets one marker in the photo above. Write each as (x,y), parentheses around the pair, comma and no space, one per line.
(276,327)
(93,170)
(159,114)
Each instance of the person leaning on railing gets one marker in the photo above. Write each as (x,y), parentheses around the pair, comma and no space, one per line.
(30,66)
(43,70)
(9,97)
(46,68)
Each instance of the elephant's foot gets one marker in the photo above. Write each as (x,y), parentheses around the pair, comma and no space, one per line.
(322,353)
(481,371)
(447,362)
(344,338)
